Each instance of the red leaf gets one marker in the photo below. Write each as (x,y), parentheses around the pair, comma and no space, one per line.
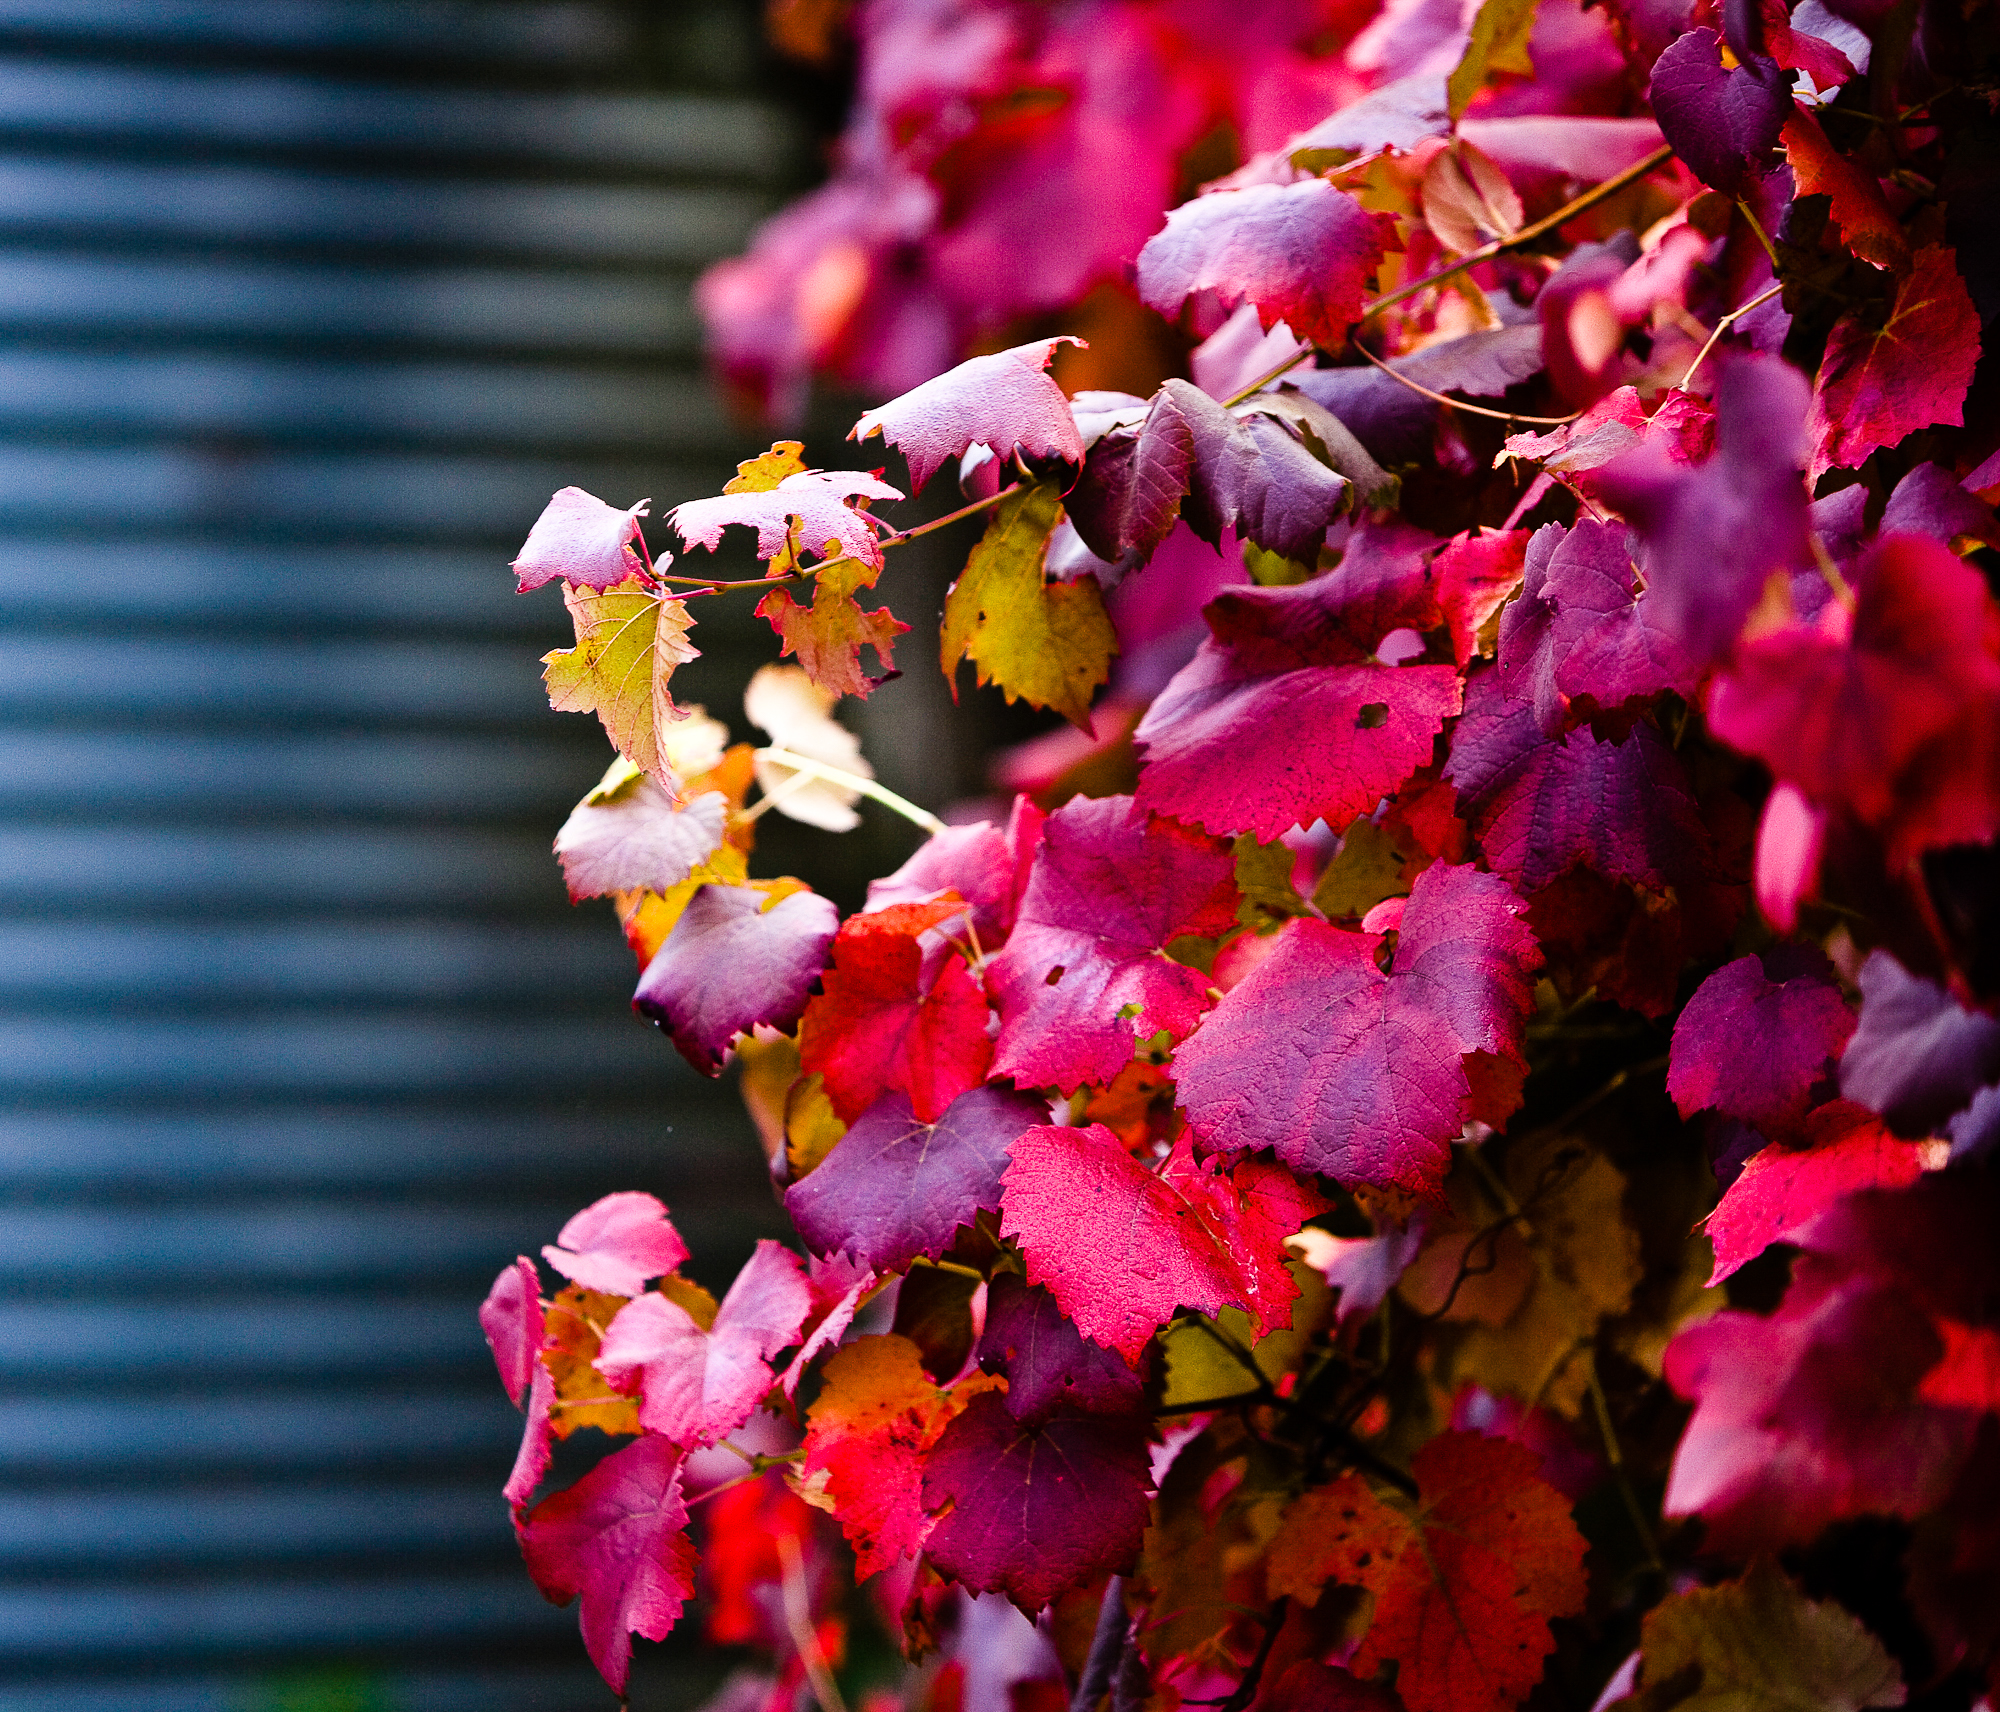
(1285,717)
(1878,384)
(511,1318)
(1465,1581)
(828,636)
(585,542)
(1476,575)
(885,1022)
(1036,1510)
(1782,1189)
(1003,402)
(1867,224)
(1110,889)
(1121,1247)
(615,1539)
(1755,1048)
(1303,253)
(537,1448)
(735,958)
(1361,1075)
(616,1244)
(813,500)
(895,1187)
(696,1386)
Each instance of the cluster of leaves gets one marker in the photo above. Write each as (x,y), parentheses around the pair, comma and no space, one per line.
(1443,1156)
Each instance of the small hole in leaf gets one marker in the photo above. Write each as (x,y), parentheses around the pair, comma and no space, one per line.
(1054,975)
(1372,717)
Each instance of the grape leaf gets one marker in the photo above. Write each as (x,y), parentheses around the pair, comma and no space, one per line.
(1360,1075)
(1046,643)
(1722,123)
(1783,1189)
(1004,402)
(639,840)
(1477,575)
(1759,1645)
(1084,975)
(697,1386)
(1121,1248)
(1867,225)
(1364,1269)
(893,1017)
(537,1449)
(1285,716)
(1711,536)
(828,636)
(797,714)
(1879,383)
(573,1331)
(1499,42)
(867,1434)
(1035,1510)
(615,1539)
(585,542)
(1928,501)
(1048,1364)
(1303,253)
(1465,1579)
(895,1187)
(1917,1055)
(738,956)
(1756,1048)
(511,1318)
(628,642)
(617,1243)
(985,866)
(814,502)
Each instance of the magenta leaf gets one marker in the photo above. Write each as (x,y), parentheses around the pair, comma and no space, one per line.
(815,501)
(1302,253)
(1121,1247)
(696,1386)
(1004,402)
(537,1448)
(639,841)
(1357,1074)
(616,1244)
(1917,1055)
(1084,976)
(985,866)
(895,1187)
(1722,123)
(511,1318)
(1048,1364)
(730,963)
(1928,501)
(1035,1510)
(1398,116)
(1758,1038)
(616,1540)
(585,542)
(1712,536)
(1285,716)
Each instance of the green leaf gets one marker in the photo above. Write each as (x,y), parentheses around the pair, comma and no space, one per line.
(1759,1645)
(1049,644)
(1264,877)
(1370,867)
(1499,43)
(628,642)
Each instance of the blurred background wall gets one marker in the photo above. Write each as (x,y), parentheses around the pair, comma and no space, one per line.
(305,308)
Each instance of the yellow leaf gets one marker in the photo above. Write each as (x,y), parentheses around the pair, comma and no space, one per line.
(572,1329)
(763,473)
(628,642)
(1499,43)
(812,1126)
(1049,644)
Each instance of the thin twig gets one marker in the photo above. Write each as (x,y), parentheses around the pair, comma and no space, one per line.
(798,1622)
(1246,1690)
(852,782)
(1233,1400)
(1485,253)
(1616,1457)
(1723,326)
(1458,403)
(978,505)
(1750,215)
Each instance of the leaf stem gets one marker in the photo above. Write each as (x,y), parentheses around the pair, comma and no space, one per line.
(1456,403)
(978,505)
(852,782)
(1722,326)
(1485,253)
(1246,1690)
(1615,1456)
(705,585)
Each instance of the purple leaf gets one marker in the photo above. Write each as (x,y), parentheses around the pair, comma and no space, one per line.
(1928,501)
(1048,1363)
(583,541)
(1722,123)
(1004,402)
(639,841)
(696,1386)
(511,1318)
(730,963)
(1917,1055)
(894,1188)
(1756,1047)
(616,1244)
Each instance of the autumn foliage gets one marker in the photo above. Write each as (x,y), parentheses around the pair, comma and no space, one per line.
(1440,1154)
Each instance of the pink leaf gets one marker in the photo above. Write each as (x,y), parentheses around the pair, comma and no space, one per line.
(985,866)
(696,1386)
(583,541)
(1111,887)
(1004,402)
(1789,836)
(813,500)
(1758,1038)
(640,841)
(615,1538)
(616,1244)
(537,1448)
(1364,1076)
(511,1318)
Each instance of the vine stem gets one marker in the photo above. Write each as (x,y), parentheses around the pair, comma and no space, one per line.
(798,1622)
(805,764)
(898,537)
(1459,403)
(1723,326)
(1485,253)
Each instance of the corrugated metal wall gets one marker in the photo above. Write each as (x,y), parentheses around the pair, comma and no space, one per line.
(305,307)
